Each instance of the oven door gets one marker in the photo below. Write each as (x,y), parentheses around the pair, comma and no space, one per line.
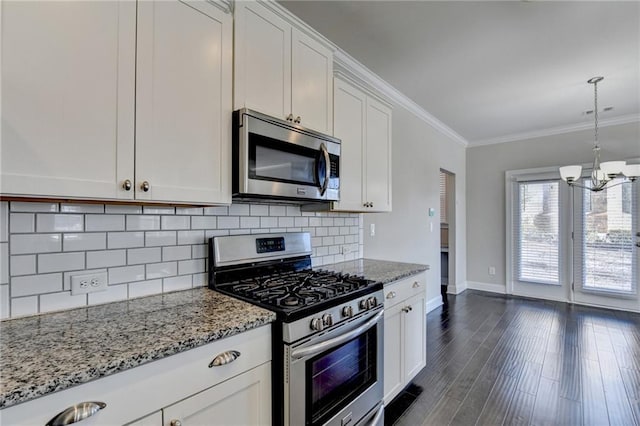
(281,160)
(336,378)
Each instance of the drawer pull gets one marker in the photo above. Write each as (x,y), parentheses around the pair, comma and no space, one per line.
(416,284)
(224,358)
(391,295)
(407,309)
(76,413)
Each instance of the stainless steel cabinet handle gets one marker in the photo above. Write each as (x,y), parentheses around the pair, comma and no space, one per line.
(77,413)
(175,423)
(145,186)
(416,284)
(407,309)
(289,117)
(391,295)
(126,185)
(224,358)
(297,120)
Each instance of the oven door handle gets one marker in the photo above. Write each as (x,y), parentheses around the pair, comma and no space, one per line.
(328,344)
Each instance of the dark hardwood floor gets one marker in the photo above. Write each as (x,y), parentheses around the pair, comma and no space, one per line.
(494,360)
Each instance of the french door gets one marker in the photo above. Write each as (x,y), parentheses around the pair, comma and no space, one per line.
(605,251)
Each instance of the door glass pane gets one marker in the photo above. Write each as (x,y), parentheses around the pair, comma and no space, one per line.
(537,232)
(607,243)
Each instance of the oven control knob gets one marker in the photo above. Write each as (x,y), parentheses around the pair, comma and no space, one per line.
(347,311)
(327,320)
(363,304)
(316,324)
(372,302)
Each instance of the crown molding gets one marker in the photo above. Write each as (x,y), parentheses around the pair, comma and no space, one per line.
(614,121)
(347,64)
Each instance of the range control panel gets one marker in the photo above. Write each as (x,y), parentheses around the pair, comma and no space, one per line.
(269,245)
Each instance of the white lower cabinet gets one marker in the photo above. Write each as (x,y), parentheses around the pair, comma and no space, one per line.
(181,388)
(404,333)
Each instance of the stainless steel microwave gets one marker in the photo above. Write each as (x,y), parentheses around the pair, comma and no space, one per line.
(278,160)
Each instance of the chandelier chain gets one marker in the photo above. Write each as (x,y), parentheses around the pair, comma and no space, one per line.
(595,111)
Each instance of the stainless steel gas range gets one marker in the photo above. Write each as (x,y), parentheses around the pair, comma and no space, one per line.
(328,338)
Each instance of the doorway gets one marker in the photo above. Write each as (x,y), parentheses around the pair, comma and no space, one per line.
(447,233)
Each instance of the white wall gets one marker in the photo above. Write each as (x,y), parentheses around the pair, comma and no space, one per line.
(404,235)
(486,167)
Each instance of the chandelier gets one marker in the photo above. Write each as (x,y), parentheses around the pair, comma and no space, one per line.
(602,173)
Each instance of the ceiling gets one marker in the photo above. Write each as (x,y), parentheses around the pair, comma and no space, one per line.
(495,71)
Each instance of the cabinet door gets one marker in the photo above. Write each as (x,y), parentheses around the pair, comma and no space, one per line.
(414,337)
(393,352)
(348,125)
(242,400)
(154,419)
(262,60)
(311,82)
(378,156)
(183,102)
(68,78)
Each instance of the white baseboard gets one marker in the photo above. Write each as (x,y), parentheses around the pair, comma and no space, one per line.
(456,288)
(434,303)
(490,287)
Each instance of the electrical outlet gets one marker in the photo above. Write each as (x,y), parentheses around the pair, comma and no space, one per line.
(346,249)
(372,230)
(88,283)
(492,270)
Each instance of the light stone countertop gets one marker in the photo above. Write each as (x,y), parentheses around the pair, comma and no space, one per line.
(52,352)
(378,270)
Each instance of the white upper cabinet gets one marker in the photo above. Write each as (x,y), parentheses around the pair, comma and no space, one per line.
(363,124)
(68,78)
(183,102)
(81,79)
(280,70)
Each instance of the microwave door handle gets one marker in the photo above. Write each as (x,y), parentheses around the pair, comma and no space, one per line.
(337,341)
(327,166)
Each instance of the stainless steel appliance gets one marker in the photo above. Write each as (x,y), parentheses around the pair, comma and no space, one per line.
(278,159)
(328,338)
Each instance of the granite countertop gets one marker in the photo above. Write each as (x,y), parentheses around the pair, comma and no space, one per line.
(52,352)
(377,270)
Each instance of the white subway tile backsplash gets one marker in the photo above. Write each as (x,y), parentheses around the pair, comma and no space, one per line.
(81,208)
(4,263)
(259,210)
(122,209)
(239,210)
(35,284)
(4,221)
(161,270)
(228,222)
(5,301)
(106,258)
(59,301)
(176,253)
(22,222)
(35,243)
(249,222)
(145,250)
(117,240)
(59,222)
(160,238)
(194,266)
(143,223)
(23,265)
(19,206)
(204,222)
(105,222)
(126,274)
(145,288)
(84,241)
(181,282)
(144,255)
(60,262)
(22,306)
(111,294)
(175,222)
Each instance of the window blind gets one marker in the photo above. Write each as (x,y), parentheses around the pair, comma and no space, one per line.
(604,239)
(536,232)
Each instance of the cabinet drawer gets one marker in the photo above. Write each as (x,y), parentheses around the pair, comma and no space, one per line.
(400,290)
(137,392)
